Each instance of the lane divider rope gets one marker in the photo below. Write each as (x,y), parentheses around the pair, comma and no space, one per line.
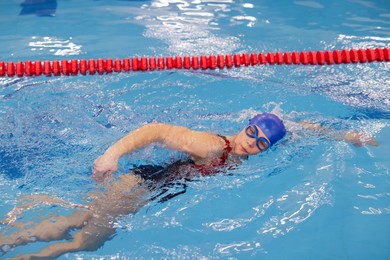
(100,66)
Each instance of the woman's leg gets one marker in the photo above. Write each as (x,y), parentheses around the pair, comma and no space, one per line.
(51,228)
(90,238)
(124,196)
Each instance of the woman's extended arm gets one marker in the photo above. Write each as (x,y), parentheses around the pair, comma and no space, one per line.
(195,143)
(356,138)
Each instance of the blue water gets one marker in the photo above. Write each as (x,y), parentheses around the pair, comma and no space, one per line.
(310,198)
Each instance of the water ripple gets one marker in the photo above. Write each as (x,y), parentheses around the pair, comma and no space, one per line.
(188,26)
(236,247)
(58,47)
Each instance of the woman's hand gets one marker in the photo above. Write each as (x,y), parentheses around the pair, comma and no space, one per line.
(103,167)
(360,139)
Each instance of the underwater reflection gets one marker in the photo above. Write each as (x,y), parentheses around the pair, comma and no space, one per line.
(39,7)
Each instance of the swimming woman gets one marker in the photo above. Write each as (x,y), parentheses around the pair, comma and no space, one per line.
(208,153)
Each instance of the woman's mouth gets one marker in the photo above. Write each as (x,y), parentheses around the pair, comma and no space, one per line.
(243,149)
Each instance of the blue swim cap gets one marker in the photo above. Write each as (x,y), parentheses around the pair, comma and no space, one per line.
(271,125)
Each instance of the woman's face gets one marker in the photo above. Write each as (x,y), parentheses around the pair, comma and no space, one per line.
(246,145)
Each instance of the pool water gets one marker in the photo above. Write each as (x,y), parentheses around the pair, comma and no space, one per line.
(312,197)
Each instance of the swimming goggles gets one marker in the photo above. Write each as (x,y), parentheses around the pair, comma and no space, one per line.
(261,142)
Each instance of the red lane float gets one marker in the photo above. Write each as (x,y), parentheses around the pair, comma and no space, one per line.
(100,66)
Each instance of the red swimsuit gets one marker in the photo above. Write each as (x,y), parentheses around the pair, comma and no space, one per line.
(168,180)
(213,167)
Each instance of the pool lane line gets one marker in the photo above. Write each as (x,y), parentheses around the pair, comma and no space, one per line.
(106,66)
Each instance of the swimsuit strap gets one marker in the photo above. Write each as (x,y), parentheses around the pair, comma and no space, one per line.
(221,162)
(227,149)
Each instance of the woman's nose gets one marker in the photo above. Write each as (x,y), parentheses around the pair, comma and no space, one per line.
(251,142)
